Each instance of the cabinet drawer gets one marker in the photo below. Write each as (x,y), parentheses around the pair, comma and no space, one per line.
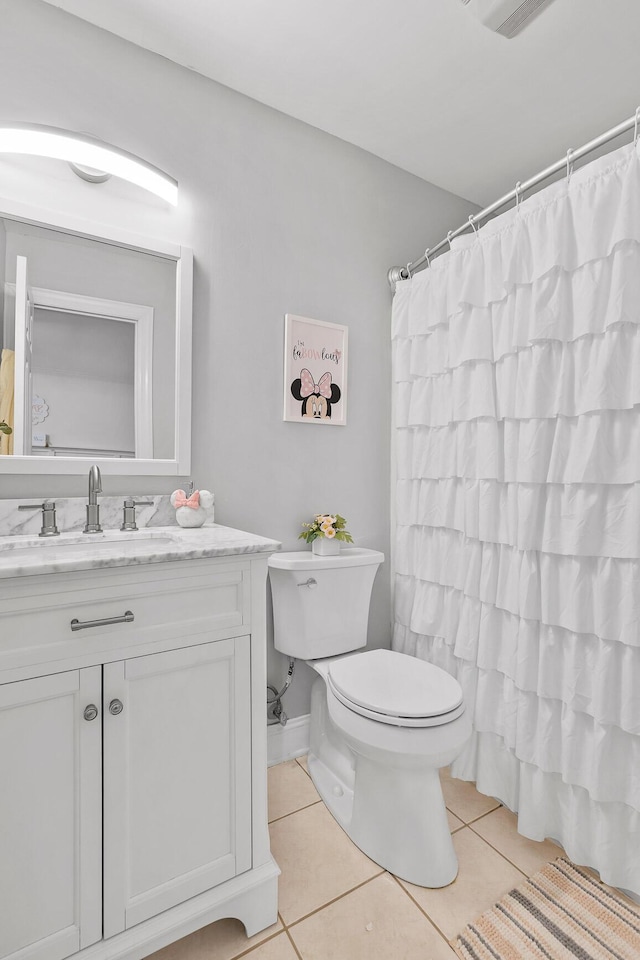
(166,601)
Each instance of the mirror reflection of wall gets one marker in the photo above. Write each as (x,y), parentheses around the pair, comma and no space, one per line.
(6,357)
(83,368)
(102,344)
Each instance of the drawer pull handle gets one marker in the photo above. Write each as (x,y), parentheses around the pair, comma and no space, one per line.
(90,712)
(85,624)
(115,708)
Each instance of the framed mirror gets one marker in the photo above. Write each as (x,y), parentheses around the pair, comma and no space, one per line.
(95,348)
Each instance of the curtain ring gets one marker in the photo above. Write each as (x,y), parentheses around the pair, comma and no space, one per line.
(569,164)
(636,125)
(473,226)
(449,239)
(408,269)
(427,258)
(518,186)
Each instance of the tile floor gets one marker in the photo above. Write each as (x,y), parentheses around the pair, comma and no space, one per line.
(336,904)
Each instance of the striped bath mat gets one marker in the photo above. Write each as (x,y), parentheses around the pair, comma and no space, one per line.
(561,913)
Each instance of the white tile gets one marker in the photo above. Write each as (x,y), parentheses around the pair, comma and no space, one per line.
(378,921)
(500,829)
(463,800)
(318,861)
(483,878)
(289,789)
(277,949)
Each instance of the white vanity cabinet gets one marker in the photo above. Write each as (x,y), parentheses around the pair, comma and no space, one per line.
(132,757)
(50,816)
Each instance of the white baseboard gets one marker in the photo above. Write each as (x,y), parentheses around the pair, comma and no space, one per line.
(285,743)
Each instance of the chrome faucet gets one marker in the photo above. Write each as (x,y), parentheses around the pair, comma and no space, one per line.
(93,510)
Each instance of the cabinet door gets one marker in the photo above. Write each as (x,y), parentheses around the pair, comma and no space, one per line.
(177,777)
(50,816)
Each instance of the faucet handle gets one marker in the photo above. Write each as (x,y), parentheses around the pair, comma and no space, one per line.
(129,512)
(48,507)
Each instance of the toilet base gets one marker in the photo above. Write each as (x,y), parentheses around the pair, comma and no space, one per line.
(393,830)
(402,824)
(390,806)
(336,795)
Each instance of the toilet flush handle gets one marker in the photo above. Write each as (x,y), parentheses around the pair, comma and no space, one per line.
(311,583)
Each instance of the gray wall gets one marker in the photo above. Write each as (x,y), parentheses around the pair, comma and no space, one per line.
(283,219)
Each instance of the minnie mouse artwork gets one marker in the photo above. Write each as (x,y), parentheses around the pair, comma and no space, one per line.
(314,384)
(316,398)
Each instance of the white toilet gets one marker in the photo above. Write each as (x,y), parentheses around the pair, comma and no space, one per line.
(382,723)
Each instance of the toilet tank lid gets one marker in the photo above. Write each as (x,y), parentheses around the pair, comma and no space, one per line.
(306,560)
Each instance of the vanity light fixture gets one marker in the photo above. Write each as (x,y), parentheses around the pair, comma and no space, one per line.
(78,148)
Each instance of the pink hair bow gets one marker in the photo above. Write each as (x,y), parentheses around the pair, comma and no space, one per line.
(308,387)
(181,500)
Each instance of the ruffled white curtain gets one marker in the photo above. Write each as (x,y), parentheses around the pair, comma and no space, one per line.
(517,450)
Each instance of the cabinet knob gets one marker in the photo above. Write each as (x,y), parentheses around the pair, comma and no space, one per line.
(90,712)
(116,707)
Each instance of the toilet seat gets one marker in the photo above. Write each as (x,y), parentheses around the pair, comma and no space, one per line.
(395,688)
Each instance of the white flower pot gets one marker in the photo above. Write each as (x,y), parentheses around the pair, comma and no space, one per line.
(324,547)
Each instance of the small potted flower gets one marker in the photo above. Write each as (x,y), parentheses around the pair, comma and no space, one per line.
(325,534)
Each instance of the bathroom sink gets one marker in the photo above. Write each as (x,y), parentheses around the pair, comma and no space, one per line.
(13,548)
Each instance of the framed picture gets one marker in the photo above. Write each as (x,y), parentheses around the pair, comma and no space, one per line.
(315,371)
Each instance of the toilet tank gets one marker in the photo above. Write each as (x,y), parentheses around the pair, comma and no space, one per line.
(321,604)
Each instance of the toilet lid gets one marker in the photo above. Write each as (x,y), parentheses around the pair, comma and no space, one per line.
(395,685)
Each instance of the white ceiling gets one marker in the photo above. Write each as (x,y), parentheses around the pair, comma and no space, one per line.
(417,82)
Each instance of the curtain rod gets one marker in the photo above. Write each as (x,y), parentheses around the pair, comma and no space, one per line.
(404,273)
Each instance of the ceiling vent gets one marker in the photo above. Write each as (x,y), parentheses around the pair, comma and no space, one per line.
(507,17)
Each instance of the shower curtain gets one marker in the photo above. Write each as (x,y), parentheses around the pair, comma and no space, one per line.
(517,461)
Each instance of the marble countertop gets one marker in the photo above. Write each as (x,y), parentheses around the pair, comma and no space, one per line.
(30,556)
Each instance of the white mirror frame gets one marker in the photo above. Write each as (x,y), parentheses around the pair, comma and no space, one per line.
(183,257)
